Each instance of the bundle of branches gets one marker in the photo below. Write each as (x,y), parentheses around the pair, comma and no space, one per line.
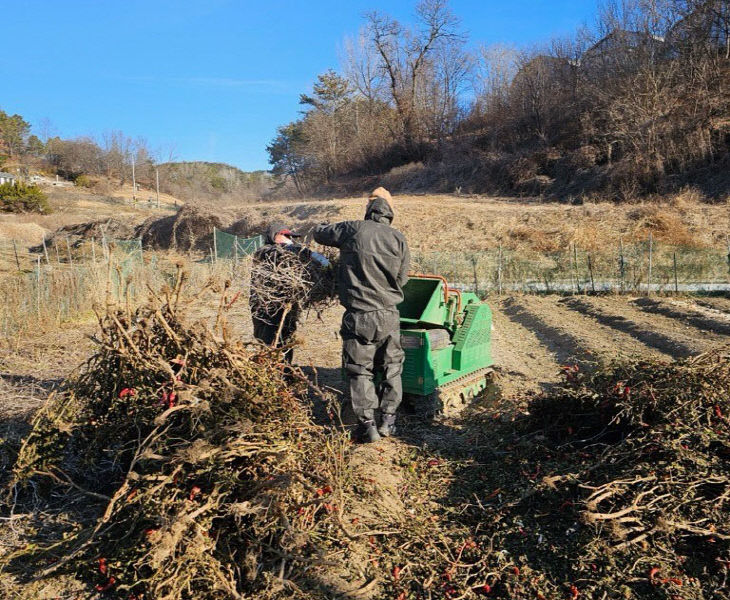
(615,485)
(282,279)
(206,474)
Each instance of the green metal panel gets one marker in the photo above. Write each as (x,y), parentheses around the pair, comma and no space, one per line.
(473,339)
(440,346)
(418,374)
(423,302)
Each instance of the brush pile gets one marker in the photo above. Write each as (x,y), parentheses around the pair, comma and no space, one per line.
(204,472)
(615,486)
(285,280)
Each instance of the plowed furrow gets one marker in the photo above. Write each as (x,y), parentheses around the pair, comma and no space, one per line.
(719,303)
(702,318)
(659,332)
(571,337)
(524,362)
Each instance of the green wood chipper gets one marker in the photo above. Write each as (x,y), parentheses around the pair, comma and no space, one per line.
(446,336)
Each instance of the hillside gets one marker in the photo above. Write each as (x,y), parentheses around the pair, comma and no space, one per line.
(208,181)
(635,104)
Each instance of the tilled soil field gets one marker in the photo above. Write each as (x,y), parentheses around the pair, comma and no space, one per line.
(419,477)
(535,336)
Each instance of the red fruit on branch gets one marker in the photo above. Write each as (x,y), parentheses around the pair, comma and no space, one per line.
(127,392)
(102,566)
(194,492)
(107,586)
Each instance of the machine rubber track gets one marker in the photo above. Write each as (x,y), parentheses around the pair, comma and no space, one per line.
(449,399)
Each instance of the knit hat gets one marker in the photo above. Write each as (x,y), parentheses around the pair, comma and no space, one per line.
(381,192)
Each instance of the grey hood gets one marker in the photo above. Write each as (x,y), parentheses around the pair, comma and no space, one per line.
(271,232)
(275,228)
(379,210)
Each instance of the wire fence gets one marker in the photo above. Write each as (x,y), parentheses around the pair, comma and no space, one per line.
(43,291)
(61,280)
(638,267)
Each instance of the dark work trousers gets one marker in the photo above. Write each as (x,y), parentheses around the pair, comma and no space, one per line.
(266,327)
(370,348)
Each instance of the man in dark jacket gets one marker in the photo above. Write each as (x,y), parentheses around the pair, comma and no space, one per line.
(374,263)
(275,323)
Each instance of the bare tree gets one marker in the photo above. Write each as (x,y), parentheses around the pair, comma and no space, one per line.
(404,55)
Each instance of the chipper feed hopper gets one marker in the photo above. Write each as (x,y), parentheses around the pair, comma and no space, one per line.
(446,335)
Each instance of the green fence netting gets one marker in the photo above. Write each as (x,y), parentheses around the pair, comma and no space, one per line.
(228,246)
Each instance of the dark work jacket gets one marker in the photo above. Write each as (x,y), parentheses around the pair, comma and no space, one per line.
(374,259)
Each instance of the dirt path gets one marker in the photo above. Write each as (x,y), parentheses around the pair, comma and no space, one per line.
(572,337)
(526,365)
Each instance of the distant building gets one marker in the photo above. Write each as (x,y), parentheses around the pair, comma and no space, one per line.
(7,178)
(621,51)
(707,26)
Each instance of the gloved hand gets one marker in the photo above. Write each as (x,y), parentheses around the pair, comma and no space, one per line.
(322,260)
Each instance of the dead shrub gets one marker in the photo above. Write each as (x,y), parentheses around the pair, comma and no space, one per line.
(198,467)
(536,239)
(191,228)
(665,225)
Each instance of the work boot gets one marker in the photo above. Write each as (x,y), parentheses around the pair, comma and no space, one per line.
(387,427)
(368,432)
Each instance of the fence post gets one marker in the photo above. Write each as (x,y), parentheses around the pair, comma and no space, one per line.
(38,287)
(68,247)
(17,261)
(676,279)
(93,251)
(474,267)
(727,239)
(651,257)
(215,246)
(45,250)
(575,267)
(105,247)
(590,271)
(499,270)
(621,265)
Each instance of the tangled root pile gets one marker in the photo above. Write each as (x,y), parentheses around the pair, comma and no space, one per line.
(616,485)
(203,471)
(290,281)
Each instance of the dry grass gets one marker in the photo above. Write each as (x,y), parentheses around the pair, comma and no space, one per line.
(453,223)
(35,301)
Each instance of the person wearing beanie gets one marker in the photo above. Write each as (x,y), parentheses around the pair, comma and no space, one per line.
(374,265)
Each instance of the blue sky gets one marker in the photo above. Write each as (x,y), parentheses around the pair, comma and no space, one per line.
(210,79)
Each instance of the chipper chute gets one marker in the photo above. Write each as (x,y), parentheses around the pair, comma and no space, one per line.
(446,336)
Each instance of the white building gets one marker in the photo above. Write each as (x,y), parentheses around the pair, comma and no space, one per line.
(7,178)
